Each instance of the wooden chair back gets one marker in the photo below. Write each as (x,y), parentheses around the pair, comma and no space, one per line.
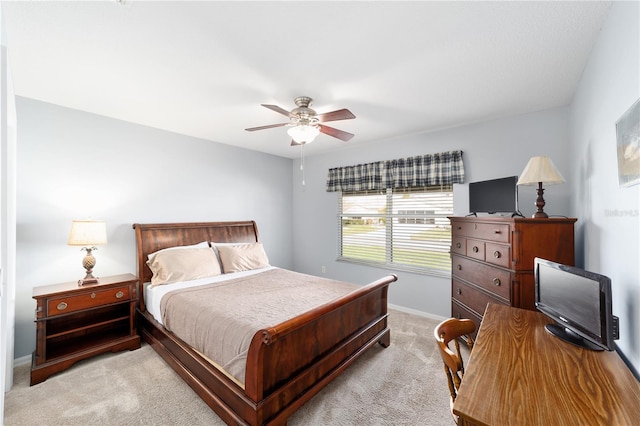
(449,330)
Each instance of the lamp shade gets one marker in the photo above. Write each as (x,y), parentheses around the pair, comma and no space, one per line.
(303,133)
(88,233)
(540,169)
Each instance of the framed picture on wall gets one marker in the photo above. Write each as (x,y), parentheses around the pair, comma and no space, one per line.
(628,145)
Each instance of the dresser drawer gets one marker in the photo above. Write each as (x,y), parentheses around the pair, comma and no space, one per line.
(490,278)
(64,305)
(498,254)
(459,311)
(499,232)
(472,297)
(475,249)
(458,245)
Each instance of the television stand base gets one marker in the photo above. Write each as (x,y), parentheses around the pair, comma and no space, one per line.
(571,337)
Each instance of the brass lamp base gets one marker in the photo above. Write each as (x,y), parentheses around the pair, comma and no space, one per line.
(88,262)
(88,281)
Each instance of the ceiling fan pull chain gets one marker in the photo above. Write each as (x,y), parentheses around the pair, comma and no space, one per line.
(302,162)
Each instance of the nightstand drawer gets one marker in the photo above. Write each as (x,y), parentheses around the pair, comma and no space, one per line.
(64,305)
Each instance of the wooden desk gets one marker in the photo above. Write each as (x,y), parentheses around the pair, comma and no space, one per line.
(518,374)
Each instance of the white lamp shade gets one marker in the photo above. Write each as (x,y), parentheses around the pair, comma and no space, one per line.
(88,233)
(540,169)
(303,133)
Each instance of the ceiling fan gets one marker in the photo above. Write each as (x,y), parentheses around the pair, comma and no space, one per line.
(305,124)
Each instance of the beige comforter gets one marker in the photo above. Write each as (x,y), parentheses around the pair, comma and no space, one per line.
(220,319)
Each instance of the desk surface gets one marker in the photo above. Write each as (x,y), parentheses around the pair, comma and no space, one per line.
(520,374)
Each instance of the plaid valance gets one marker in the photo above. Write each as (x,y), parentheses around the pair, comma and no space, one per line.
(444,168)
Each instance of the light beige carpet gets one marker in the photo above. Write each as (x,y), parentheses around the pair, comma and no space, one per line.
(403,384)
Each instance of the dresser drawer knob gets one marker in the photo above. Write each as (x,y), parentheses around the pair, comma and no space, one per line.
(119,295)
(93,295)
(496,281)
(459,291)
(475,249)
(459,267)
(62,306)
(497,231)
(458,245)
(497,254)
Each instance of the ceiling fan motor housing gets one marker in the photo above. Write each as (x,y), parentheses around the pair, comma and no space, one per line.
(303,115)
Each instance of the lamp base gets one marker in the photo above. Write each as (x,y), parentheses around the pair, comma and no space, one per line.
(540,214)
(87,281)
(88,262)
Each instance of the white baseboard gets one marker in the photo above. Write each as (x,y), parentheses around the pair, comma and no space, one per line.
(21,361)
(416,312)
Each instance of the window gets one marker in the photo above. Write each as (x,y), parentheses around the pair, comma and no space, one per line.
(398,228)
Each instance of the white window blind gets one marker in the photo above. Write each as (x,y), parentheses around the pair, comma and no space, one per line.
(403,229)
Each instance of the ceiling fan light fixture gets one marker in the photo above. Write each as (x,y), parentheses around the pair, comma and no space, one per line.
(303,133)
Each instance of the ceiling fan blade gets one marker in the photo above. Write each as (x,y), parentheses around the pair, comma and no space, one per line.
(336,133)
(270,126)
(277,109)
(340,114)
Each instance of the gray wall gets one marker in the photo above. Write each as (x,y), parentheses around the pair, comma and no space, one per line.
(491,150)
(75,165)
(609,227)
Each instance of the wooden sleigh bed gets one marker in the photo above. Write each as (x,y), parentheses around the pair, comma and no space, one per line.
(287,363)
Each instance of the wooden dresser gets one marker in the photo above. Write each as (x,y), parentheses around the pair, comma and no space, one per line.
(492,260)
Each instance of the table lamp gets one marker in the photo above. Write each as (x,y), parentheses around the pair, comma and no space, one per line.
(89,234)
(540,170)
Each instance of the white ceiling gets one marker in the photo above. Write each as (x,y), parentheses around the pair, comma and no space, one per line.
(203,68)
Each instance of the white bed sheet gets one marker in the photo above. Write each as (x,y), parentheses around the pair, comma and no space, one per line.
(153,296)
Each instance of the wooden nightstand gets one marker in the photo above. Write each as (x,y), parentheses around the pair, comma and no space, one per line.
(74,323)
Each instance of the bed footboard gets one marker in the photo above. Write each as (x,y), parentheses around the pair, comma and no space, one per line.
(289,363)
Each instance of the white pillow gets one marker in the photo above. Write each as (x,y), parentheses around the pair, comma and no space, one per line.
(170,266)
(242,257)
(203,244)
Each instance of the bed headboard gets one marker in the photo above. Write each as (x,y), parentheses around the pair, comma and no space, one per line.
(153,237)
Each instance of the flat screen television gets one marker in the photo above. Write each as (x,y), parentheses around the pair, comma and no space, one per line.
(579,302)
(494,196)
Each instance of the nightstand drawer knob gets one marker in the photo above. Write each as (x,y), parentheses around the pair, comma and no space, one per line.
(119,295)
(475,249)
(459,291)
(62,306)
(458,245)
(496,281)
(459,267)
(93,295)
(497,254)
